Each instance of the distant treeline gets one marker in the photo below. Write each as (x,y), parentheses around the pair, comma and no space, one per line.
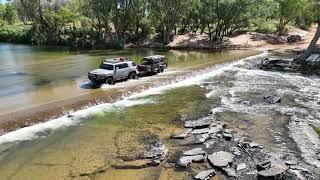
(112,23)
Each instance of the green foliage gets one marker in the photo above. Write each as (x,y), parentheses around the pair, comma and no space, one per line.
(9,14)
(112,23)
(15,33)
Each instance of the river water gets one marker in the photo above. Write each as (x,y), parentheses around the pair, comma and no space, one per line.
(98,137)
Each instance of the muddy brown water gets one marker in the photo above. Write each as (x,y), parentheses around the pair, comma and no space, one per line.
(130,115)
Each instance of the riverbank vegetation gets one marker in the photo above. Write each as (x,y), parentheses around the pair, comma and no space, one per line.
(113,23)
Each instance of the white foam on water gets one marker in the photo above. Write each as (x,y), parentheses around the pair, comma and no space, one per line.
(30,133)
(249,86)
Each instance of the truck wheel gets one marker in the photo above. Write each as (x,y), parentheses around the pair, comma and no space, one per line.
(110,81)
(161,69)
(132,75)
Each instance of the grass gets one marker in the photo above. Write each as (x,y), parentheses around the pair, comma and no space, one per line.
(316,129)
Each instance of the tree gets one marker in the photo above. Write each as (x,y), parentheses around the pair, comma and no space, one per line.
(303,58)
(288,11)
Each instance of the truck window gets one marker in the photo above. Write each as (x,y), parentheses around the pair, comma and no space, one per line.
(122,66)
(106,66)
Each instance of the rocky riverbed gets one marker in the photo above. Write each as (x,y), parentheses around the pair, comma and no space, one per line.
(209,146)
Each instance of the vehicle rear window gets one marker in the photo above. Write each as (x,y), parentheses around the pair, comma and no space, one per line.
(106,66)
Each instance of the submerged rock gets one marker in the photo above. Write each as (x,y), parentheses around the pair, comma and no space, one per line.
(275,172)
(200,123)
(181,134)
(195,151)
(157,152)
(205,175)
(185,161)
(273,99)
(221,158)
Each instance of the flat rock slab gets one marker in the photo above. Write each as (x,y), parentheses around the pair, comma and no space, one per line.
(221,158)
(200,131)
(137,164)
(274,172)
(195,151)
(185,161)
(200,123)
(230,172)
(204,175)
(241,166)
(157,151)
(215,129)
(201,138)
(181,134)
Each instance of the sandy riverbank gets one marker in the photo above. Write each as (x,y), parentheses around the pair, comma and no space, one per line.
(249,40)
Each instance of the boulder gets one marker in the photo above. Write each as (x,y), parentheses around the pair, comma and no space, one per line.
(157,151)
(201,138)
(293,38)
(185,161)
(205,175)
(275,172)
(241,167)
(235,151)
(230,172)
(221,158)
(276,64)
(263,165)
(195,151)
(273,99)
(181,134)
(200,123)
(227,136)
(210,143)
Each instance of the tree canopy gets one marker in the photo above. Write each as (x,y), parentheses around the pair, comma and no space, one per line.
(84,23)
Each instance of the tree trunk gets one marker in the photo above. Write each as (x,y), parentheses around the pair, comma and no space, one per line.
(303,58)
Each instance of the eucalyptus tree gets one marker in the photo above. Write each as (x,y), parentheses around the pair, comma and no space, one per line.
(315,4)
(288,10)
(127,17)
(165,14)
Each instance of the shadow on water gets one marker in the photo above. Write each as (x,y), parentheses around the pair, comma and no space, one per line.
(90,85)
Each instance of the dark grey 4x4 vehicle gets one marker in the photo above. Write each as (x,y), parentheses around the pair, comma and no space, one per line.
(112,70)
(152,65)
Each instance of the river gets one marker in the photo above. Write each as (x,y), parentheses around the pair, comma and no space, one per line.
(131,114)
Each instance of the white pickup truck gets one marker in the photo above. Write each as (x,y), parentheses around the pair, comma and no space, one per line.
(112,70)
